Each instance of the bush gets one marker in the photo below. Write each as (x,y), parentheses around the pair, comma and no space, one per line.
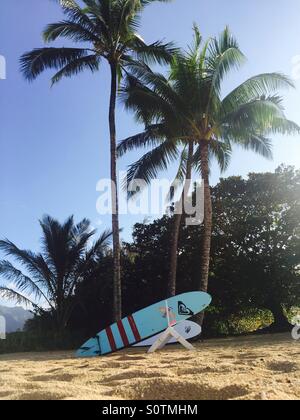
(246,322)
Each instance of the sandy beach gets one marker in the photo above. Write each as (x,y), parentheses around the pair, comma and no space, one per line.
(260,368)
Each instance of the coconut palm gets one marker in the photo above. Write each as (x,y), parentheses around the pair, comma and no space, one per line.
(187,108)
(49,279)
(106,30)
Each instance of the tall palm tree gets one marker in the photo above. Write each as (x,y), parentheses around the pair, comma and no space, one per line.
(49,278)
(106,29)
(188,108)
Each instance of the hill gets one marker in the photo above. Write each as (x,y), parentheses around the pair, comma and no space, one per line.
(15,317)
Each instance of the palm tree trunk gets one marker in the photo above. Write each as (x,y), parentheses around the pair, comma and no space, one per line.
(59,304)
(174,255)
(207,231)
(177,223)
(114,196)
(206,244)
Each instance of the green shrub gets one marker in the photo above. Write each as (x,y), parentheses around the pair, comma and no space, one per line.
(246,322)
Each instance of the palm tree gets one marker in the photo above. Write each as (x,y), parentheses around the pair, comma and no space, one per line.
(49,279)
(107,30)
(187,108)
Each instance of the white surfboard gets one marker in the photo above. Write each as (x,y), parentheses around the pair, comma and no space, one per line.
(187,329)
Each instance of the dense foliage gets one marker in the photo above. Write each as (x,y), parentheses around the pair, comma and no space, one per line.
(188,121)
(48,280)
(246,252)
(255,264)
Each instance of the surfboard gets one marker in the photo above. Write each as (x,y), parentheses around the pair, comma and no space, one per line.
(187,330)
(145,324)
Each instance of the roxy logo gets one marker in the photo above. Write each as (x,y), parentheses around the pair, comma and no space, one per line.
(296,329)
(2,328)
(2,68)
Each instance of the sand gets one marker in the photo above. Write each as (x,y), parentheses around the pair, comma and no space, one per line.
(252,368)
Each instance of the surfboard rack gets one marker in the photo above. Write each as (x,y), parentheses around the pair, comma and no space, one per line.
(165,338)
(169,333)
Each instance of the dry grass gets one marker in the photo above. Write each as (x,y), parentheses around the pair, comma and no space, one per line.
(263,368)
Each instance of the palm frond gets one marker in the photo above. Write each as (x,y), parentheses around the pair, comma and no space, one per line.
(259,144)
(47,279)
(85,17)
(179,177)
(89,62)
(255,87)
(104,239)
(71,30)
(147,2)
(26,258)
(219,150)
(99,247)
(57,241)
(283,126)
(10,294)
(157,52)
(222,152)
(127,15)
(255,115)
(35,62)
(224,55)
(150,137)
(152,104)
(147,167)
(82,228)
(22,282)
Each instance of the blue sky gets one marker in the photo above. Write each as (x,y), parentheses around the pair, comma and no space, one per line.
(54,143)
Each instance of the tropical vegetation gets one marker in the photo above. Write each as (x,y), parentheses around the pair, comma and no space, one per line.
(245,254)
(106,31)
(47,281)
(254,277)
(187,119)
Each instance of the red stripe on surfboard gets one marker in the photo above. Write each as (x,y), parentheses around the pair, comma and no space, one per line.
(111,339)
(134,328)
(123,333)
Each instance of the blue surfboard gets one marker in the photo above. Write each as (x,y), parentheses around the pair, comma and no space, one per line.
(145,324)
